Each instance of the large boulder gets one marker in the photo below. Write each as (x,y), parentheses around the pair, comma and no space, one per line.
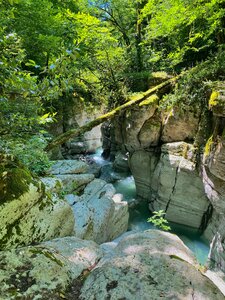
(30,212)
(149,265)
(72,174)
(73,183)
(46,271)
(62,167)
(180,125)
(100,214)
(149,134)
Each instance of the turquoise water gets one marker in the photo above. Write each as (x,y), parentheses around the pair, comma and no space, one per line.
(139,215)
(126,186)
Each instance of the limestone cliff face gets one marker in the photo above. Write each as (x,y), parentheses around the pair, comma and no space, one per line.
(178,163)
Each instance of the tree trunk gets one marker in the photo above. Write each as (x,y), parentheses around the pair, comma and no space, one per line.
(160,90)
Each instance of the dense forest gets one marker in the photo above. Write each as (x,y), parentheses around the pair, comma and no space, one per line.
(98,52)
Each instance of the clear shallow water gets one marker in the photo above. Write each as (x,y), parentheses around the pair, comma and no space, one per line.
(126,186)
(98,158)
(140,214)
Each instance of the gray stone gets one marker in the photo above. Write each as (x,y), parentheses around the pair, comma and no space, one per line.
(71,199)
(215,232)
(133,122)
(77,147)
(179,125)
(149,134)
(52,184)
(94,169)
(214,189)
(177,187)
(99,214)
(142,165)
(218,278)
(81,254)
(62,167)
(73,182)
(120,163)
(150,264)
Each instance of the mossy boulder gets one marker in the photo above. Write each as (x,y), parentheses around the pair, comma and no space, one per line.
(29,213)
(15,179)
(46,271)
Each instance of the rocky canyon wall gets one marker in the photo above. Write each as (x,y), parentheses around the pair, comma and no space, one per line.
(177,158)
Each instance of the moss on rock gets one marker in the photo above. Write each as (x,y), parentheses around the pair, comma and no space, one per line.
(213,99)
(150,100)
(217,99)
(28,214)
(15,179)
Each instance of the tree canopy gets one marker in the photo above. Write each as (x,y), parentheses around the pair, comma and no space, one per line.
(95,51)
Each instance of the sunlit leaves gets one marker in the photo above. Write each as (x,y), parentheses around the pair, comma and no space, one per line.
(184,26)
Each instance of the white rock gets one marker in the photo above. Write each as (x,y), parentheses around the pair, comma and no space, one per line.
(100,215)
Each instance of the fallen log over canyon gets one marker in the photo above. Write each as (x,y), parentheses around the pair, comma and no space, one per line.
(159,90)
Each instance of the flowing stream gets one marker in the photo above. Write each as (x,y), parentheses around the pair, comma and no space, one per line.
(139,214)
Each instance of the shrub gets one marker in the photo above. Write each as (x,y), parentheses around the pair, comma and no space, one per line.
(158,220)
(30,152)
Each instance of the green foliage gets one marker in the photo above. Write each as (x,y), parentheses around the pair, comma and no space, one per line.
(181,31)
(54,52)
(158,220)
(29,152)
(14,178)
(194,88)
(19,93)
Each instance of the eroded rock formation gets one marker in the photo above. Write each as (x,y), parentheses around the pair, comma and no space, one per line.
(177,159)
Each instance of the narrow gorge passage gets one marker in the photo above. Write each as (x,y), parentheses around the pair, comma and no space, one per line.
(139,213)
